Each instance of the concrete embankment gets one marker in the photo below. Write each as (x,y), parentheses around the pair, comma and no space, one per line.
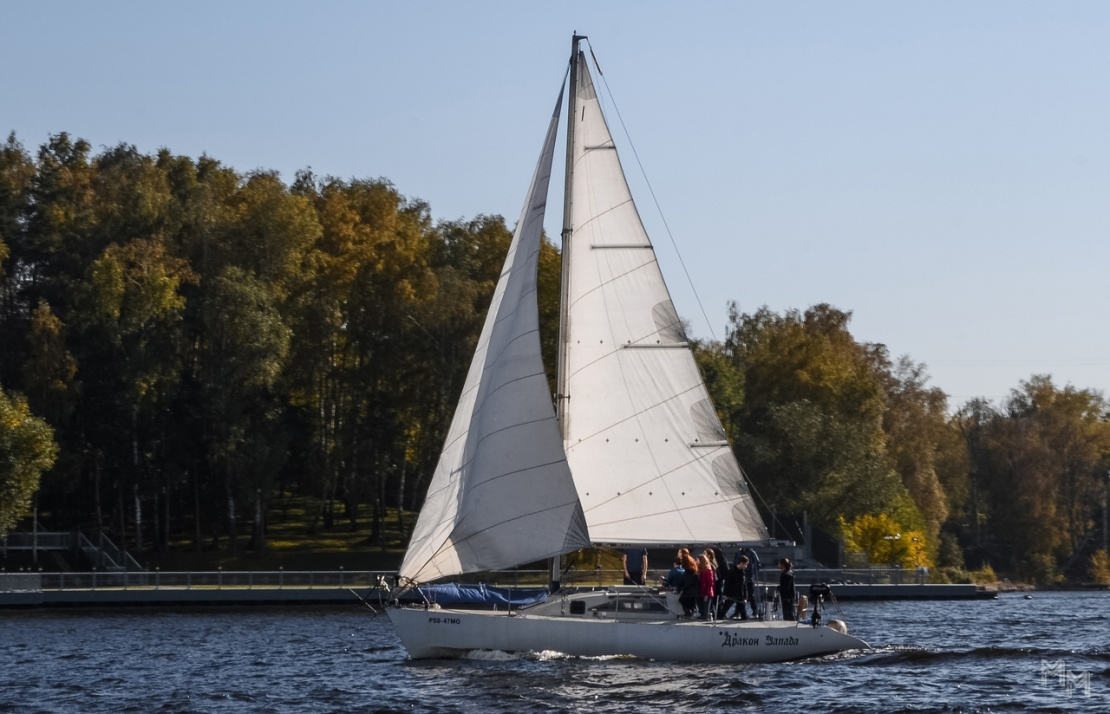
(46,590)
(111,597)
(154,588)
(912,592)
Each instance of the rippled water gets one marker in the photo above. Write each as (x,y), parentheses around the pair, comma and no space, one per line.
(988,656)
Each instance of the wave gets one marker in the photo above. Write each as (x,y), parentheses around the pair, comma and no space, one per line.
(538,656)
(491,656)
(920,655)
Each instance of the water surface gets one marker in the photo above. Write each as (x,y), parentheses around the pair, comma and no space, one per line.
(1050,653)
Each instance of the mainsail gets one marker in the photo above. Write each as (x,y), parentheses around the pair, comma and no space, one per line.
(502,493)
(649,456)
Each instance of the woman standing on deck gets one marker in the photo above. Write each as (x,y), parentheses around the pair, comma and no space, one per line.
(706,578)
(691,584)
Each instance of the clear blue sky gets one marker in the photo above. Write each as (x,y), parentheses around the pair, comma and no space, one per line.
(942,170)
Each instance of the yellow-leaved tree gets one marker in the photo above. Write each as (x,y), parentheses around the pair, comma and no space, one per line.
(885,542)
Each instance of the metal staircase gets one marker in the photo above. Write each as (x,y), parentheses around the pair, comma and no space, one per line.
(103,555)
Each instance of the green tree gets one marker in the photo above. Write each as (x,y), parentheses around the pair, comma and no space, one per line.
(968,496)
(724,382)
(134,310)
(50,369)
(810,432)
(915,421)
(17,176)
(61,223)
(1048,455)
(240,361)
(28,449)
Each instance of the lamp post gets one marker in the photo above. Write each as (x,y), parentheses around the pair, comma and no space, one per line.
(890,539)
(921,570)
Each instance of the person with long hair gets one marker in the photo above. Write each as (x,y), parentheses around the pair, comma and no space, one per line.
(706,579)
(691,584)
(719,567)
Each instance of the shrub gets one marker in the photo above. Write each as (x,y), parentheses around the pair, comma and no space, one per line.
(1099,567)
(950,574)
(1040,569)
(983,575)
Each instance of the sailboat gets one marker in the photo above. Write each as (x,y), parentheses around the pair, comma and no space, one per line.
(631,453)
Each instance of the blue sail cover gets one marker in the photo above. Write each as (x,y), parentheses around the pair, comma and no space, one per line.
(480,594)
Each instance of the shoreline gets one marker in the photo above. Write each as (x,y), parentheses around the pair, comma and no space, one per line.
(25,594)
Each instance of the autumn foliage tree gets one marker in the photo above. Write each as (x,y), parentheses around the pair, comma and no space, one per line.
(28,449)
(810,429)
(200,343)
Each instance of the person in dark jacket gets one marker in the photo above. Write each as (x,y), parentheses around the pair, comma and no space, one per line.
(786,589)
(673,581)
(751,573)
(721,568)
(635,562)
(735,593)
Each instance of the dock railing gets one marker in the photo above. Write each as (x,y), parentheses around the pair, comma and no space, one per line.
(189,580)
(656,576)
(363,579)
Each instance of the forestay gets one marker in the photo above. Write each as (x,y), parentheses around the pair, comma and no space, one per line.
(649,456)
(502,493)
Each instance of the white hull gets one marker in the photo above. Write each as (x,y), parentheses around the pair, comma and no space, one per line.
(443,633)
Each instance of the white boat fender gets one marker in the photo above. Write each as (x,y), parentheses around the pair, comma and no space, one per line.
(839,625)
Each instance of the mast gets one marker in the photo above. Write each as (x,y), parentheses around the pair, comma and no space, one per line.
(561,396)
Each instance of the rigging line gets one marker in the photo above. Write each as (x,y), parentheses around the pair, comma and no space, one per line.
(752,490)
(636,155)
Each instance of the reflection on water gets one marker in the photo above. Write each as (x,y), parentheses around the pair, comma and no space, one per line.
(1010,654)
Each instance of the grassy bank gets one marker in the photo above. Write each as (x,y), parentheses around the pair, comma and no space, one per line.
(294,541)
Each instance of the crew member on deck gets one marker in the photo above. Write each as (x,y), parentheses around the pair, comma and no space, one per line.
(706,579)
(786,589)
(735,593)
(673,580)
(691,585)
(751,574)
(635,565)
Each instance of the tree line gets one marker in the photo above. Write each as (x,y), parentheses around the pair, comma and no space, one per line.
(184,343)
(860,442)
(200,340)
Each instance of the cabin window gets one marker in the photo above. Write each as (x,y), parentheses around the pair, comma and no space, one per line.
(633,605)
(577,607)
